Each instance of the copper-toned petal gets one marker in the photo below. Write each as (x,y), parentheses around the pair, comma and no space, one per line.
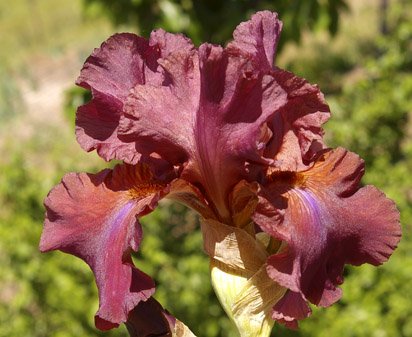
(94,217)
(243,201)
(326,221)
(189,195)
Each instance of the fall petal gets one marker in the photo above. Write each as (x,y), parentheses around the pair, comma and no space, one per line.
(94,217)
(291,308)
(327,221)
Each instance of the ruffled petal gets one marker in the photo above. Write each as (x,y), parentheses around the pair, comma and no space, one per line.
(94,217)
(166,43)
(122,62)
(210,116)
(258,38)
(212,111)
(160,118)
(289,309)
(297,127)
(326,221)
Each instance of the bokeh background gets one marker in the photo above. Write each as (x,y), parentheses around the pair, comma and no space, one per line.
(360,54)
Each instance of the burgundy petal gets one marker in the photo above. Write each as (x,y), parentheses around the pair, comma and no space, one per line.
(210,115)
(166,43)
(94,217)
(213,111)
(258,38)
(151,319)
(121,63)
(327,221)
(297,127)
(291,308)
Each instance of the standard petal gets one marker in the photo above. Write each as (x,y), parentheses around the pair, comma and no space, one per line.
(160,118)
(94,217)
(209,116)
(327,221)
(258,38)
(110,72)
(122,62)
(297,126)
(167,43)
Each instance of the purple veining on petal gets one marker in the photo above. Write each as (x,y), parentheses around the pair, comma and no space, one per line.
(119,218)
(314,213)
(327,221)
(95,217)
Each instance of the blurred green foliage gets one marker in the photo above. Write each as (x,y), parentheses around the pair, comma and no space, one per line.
(368,83)
(214,20)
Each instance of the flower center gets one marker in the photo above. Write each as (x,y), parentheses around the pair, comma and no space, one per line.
(287,179)
(141,190)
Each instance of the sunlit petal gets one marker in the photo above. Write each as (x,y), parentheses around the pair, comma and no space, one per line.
(121,63)
(94,217)
(327,221)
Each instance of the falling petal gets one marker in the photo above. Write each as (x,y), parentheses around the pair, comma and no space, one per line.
(326,221)
(94,217)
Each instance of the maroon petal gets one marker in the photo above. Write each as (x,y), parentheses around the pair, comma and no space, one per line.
(297,127)
(291,308)
(213,112)
(121,63)
(94,217)
(166,43)
(151,319)
(327,221)
(210,115)
(258,38)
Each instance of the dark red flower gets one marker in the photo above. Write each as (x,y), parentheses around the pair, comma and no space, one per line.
(228,134)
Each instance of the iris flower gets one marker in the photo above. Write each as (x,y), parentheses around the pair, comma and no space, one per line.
(240,141)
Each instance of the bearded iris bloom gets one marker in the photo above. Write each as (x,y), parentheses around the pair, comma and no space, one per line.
(238,140)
